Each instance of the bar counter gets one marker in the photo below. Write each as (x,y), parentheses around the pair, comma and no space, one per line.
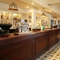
(27,46)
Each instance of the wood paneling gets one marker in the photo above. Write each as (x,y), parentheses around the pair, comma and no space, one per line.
(23,53)
(52,38)
(26,47)
(41,44)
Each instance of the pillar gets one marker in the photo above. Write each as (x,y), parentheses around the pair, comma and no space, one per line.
(33,19)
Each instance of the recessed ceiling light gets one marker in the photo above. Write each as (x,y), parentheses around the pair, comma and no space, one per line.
(27,7)
(32,2)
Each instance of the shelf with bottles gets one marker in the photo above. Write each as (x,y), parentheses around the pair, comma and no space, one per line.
(9,17)
(30,23)
(37,18)
(45,22)
(16,16)
(29,16)
(58,22)
(29,19)
(37,21)
(6,17)
(55,23)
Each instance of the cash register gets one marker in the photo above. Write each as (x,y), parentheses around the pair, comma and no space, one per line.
(4,29)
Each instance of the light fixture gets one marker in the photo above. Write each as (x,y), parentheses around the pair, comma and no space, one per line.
(27,7)
(32,3)
(55,18)
(13,6)
(43,15)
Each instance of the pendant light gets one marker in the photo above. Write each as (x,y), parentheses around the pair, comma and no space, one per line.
(43,15)
(13,6)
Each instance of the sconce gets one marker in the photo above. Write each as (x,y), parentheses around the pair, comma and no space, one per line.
(13,6)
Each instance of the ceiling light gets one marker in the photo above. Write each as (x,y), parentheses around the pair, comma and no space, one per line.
(13,6)
(32,2)
(27,7)
(43,15)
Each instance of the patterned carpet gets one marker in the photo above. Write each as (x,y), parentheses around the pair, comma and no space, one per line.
(51,54)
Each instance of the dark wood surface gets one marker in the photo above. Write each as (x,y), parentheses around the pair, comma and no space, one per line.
(27,46)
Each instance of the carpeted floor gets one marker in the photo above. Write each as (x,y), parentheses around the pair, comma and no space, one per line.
(51,54)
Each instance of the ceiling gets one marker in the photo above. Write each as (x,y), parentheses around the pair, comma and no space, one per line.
(19,3)
(24,3)
(53,2)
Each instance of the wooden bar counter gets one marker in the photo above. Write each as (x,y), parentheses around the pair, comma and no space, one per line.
(27,46)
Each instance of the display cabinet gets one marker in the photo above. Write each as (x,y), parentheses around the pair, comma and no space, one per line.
(16,18)
(9,18)
(42,21)
(6,17)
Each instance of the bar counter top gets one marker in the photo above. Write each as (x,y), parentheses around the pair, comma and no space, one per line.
(22,36)
(12,35)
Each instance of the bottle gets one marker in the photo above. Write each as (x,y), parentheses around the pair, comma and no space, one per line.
(19,29)
(42,28)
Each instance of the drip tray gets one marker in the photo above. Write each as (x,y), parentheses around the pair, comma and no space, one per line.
(4,35)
